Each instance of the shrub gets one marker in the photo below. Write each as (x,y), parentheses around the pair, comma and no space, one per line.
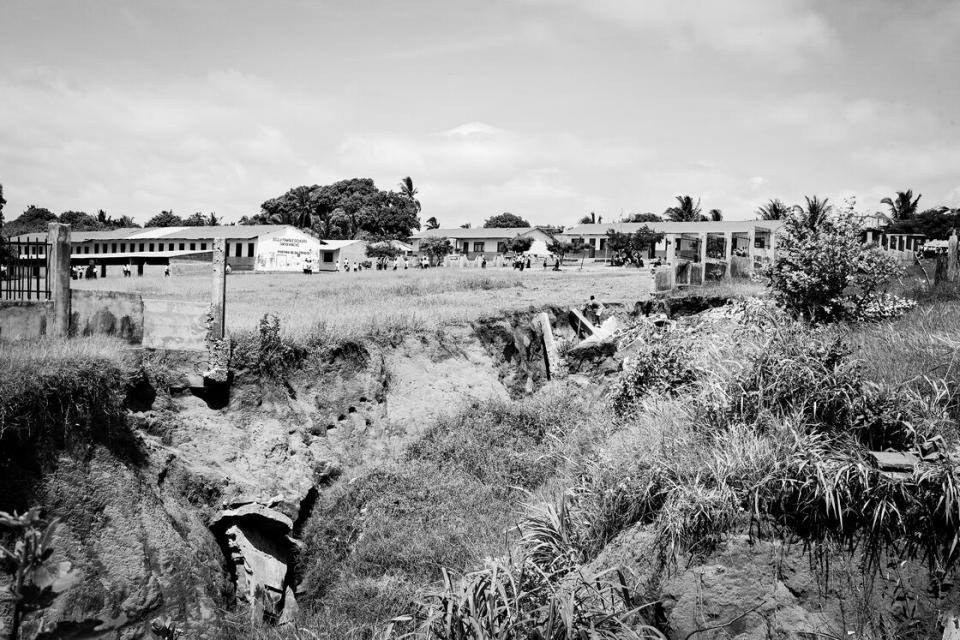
(822,271)
(660,364)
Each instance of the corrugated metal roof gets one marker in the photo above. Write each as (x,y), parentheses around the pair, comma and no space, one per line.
(229,232)
(469,234)
(724,226)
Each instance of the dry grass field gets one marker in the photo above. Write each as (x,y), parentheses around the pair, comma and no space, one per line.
(359,302)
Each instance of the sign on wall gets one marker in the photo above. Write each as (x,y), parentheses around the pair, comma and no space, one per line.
(288,251)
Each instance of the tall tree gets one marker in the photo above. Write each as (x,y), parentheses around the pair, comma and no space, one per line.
(715,215)
(3,251)
(407,190)
(686,210)
(81,221)
(589,219)
(903,207)
(432,223)
(212,219)
(643,217)
(774,210)
(196,220)
(165,219)
(33,220)
(505,220)
(3,201)
(816,211)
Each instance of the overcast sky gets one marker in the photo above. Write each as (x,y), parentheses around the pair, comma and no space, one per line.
(545,108)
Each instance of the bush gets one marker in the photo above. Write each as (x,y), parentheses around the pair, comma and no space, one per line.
(660,364)
(822,271)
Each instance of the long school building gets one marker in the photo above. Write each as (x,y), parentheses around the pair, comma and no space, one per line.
(249,247)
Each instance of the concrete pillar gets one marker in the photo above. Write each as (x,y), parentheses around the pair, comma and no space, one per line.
(671,248)
(58,261)
(953,266)
(550,353)
(751,241)
(703,248)
(218,299)
(728,254)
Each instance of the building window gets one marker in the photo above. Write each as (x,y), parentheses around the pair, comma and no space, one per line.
(328,256)
(593,243)
(603,244)
(193,246)
(113,247)
(96,248)
(203,246)
(183,245)
(249,249)
(478,247)
(239,250)
(141,247)
(151,246)
(501,247)
(170,247)
(86,249)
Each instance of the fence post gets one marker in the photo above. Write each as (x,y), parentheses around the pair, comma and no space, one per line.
(952,265)
(219,293)
(58,262)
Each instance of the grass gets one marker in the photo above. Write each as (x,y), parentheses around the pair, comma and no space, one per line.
(354,304)
(54,395)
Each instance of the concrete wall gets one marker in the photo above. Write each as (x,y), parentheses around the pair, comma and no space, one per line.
(175,324)
(111,313)
(24,319)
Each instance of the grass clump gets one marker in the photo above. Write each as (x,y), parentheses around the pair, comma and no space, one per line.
(506,445)
(408,521)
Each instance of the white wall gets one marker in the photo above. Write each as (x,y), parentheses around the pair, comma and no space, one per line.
(286,250)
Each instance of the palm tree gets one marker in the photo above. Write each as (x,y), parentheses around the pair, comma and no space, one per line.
(716,215)
(774,210)
(816,211)
(432,223)
(408,191)
(687,211)
(904,206)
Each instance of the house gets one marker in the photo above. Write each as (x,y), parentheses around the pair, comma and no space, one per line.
(248,247)
(687,240)
(486,241)
(334,253)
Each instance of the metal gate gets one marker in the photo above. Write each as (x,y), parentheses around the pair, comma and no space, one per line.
(24,270)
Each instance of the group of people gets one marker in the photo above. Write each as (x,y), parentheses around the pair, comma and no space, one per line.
(80,272)
(520,262)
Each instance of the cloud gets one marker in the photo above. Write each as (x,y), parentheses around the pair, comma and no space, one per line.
(476,169)
(213,142)
(785,33)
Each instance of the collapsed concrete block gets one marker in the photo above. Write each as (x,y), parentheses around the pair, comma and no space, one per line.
(257,540)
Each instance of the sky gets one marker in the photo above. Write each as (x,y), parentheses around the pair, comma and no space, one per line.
(548,109)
